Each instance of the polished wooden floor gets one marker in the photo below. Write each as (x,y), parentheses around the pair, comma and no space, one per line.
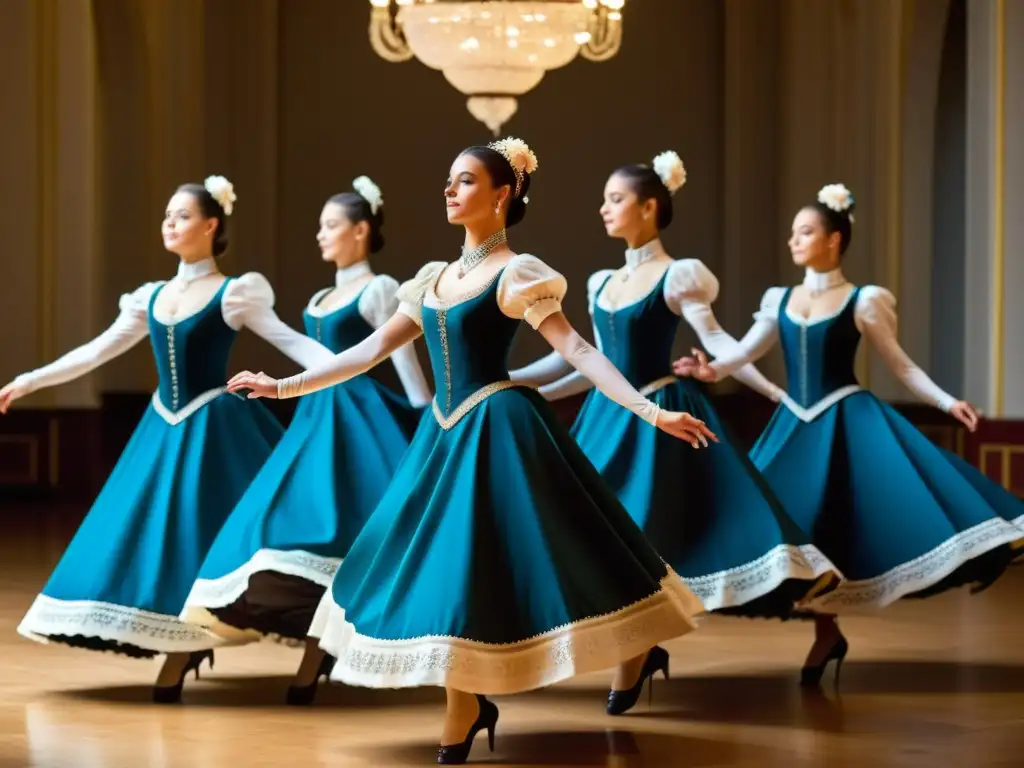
(931,684)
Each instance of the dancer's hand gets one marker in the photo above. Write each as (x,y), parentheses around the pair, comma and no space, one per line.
(966,414)
(686,427)
(257,384)
(10,393)
(695,367)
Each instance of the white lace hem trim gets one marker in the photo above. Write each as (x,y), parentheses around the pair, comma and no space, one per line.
(217,593)
(155,632)
(810,414)
(584,646)
(176,417)
(738,586)
(918,574)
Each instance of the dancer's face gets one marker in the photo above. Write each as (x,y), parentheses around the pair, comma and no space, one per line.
(470,195)
(185,230)
(341,240)
(623,214)
(810,244)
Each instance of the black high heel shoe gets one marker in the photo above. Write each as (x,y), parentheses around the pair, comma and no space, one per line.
(302,696)
(456,754)
(171,694)
(620,702)
(810,677)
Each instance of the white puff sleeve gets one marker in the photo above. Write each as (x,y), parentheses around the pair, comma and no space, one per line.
(530,290)
(875,315)
(130,327)
(410,294)
(759,339)
(377,303)
(249,302)
(689,282)
(689,290)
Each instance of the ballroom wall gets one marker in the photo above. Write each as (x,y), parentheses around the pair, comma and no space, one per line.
(118,101)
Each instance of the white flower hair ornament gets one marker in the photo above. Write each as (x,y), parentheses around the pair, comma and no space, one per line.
(670,170)
(519,156)
(223,191)
(838,198)
(370,192)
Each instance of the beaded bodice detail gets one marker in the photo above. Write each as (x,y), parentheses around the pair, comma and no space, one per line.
(468,341)
(191,354)
(819,354)
(340,328)
(638,337)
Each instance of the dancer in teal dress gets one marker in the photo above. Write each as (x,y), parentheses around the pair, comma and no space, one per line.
(125,575)
(498,560)
(279,549)
(731,541)
(898,515)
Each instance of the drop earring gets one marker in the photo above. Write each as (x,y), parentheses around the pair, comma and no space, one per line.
(497,209)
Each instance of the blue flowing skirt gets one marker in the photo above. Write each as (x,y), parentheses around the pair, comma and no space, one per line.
(279,549)
(898,515)
(708,512)
(124,577)
(497,561)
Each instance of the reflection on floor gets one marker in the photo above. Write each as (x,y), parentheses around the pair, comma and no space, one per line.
(932,683)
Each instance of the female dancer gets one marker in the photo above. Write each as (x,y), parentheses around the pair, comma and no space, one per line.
(733,544)
(898,515)
(124,577)
(279,549)
(497,561)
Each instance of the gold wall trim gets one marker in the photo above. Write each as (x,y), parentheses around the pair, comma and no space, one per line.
(999,209)
(1005,453)
(47,52)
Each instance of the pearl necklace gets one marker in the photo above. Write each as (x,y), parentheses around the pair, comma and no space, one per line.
(473,257)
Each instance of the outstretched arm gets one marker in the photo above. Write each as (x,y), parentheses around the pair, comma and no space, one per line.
(543,371)
(378,346)
(590,362)
(875,315)
(377,303)
(567,386)
(249,301)
(127,330)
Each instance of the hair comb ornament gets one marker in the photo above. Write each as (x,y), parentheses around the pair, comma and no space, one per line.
(519,155)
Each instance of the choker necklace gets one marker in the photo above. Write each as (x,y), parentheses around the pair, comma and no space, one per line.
(818,283)
(472,257)
(189,272)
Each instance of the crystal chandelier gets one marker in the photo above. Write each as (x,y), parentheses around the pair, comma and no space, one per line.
(495,50)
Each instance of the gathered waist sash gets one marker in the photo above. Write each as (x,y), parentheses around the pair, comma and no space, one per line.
(178,416)
(654,386)
(814,411)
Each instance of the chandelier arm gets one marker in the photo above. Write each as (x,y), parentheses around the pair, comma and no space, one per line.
(605,37)
(386,36)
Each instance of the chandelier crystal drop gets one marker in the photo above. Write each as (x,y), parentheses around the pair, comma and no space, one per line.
(494,51)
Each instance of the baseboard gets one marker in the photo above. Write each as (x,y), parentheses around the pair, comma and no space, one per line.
(67,453)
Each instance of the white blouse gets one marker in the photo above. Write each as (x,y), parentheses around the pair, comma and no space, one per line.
(875,317)
(377,303)
(247,301)
(689,290)
(528,289)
